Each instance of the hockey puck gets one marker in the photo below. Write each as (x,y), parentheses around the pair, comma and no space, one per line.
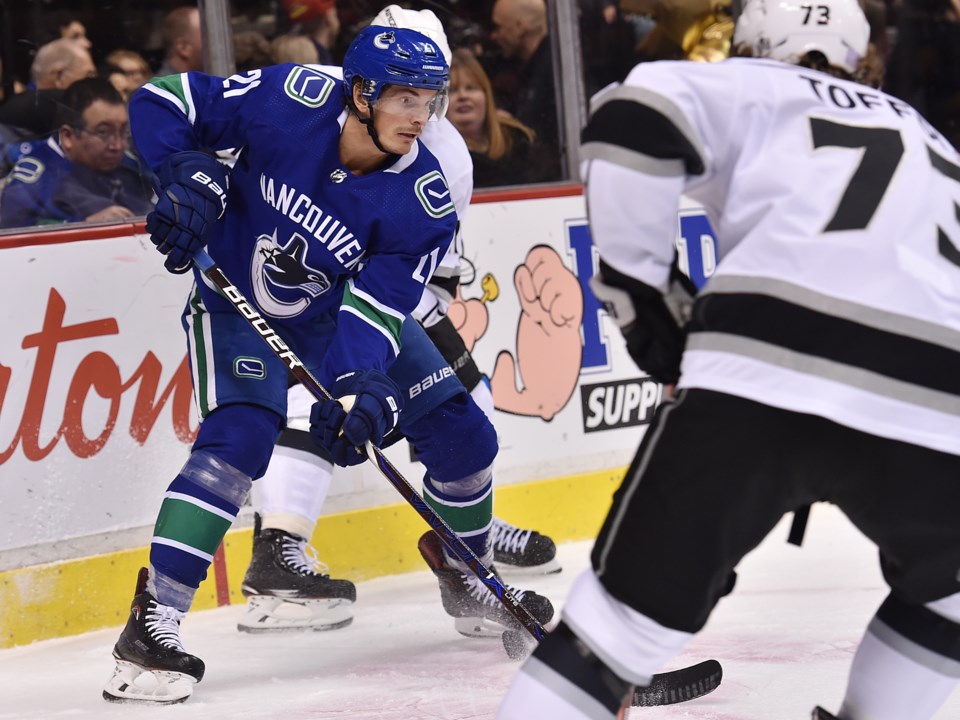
(518,644)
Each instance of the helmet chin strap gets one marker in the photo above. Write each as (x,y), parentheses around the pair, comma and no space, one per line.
(371,130)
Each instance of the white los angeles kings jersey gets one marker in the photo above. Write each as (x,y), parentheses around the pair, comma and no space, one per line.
(837,212)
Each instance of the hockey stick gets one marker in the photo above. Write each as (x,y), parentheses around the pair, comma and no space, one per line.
(669,687)
(209,268)
(679,685)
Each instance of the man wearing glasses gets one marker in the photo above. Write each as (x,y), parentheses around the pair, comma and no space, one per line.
(88,175)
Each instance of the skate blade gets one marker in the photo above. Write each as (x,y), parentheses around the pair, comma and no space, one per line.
(551,567)
(133,684)
(268,613)
(479,627)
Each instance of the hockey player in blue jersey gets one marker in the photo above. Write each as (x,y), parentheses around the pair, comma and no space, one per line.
(286,584)
(332,221)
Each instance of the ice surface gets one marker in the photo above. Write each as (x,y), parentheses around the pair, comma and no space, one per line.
(785,639)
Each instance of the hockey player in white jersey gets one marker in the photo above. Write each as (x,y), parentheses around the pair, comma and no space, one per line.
(287,587)
(817,364)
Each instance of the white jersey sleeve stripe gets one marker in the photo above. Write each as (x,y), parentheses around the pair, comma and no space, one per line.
(638,97)
(632,160)
(169,97)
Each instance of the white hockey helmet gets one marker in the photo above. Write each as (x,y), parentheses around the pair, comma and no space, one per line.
(786,30)
(423,21)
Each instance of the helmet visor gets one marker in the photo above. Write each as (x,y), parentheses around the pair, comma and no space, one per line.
(414,105)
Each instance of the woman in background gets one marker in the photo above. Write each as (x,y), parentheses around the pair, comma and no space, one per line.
(504,150)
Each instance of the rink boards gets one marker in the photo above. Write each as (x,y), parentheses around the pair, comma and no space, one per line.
(97,414)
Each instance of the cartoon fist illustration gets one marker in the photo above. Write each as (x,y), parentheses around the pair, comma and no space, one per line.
(549,349)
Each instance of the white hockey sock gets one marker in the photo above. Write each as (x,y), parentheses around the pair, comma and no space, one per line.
(631,644)
(482,396)
(536,693)
(879,678)
(895,677)
(291,494)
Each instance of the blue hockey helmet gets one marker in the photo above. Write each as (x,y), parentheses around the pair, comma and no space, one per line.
(381,56)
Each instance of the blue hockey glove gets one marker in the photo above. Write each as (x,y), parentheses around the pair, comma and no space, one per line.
(375,412)
(192,196)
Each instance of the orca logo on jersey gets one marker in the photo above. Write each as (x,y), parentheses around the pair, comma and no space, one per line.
(283,283)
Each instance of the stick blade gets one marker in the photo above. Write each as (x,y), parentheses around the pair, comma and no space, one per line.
(680,685)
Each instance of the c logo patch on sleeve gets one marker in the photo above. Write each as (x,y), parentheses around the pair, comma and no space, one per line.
(434,195)
(308,86)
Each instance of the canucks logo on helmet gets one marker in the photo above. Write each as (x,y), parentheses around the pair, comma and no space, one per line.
(398,56)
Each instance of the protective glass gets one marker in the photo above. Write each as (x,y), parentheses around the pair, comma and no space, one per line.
(414,106)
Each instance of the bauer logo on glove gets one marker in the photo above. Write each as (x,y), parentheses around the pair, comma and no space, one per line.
(192,197)
(203,179)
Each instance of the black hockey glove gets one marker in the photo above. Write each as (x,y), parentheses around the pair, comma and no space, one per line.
(654,331)
(192,196)
(375,412)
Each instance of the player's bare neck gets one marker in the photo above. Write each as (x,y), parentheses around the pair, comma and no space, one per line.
(358,153)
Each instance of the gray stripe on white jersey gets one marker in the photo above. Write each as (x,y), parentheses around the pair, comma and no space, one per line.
(865,380)
(632,160)
(829,305)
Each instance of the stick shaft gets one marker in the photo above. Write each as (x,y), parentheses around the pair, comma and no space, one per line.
(456,545)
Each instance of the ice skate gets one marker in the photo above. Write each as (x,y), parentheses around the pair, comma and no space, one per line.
(288,588)
(476,611)
(152,666)
(522,552)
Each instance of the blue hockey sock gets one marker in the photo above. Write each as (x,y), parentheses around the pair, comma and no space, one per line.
(457,444)
(198,508)
(466,506)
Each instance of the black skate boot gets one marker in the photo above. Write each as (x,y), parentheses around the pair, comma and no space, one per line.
(476,611)
(522,552)
(152,666)
(288,588)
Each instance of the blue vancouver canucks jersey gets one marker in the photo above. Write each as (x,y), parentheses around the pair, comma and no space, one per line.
(31,187)
(326,255)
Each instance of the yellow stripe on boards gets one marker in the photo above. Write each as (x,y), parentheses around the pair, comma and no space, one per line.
(76,596)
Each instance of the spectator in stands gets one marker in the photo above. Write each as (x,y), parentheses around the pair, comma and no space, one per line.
(9,86)
(504,150)
(181,41)
(33,112)
(132,64)
(251,50)
(606,42)
(924,67)
(117,78)
(318,20)
(520,30)
(87,175)
(293,48)
(63,24)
